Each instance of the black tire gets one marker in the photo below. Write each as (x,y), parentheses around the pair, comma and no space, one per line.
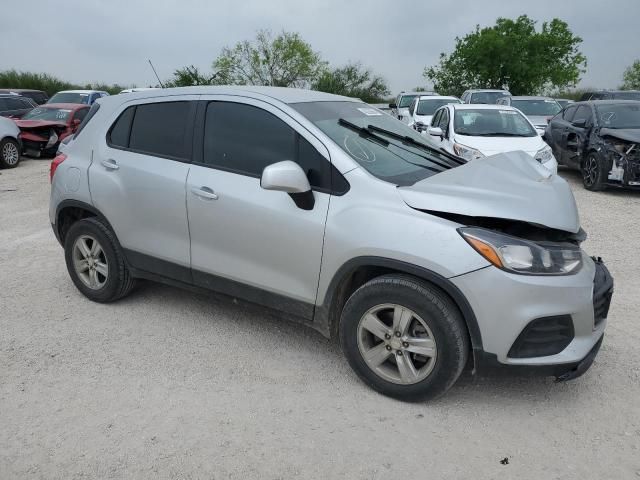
(119,281)
(434,307)
(8,148)
(594,172)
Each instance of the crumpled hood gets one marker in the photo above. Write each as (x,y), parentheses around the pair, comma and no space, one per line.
(39,123)
(510,186)
(628,134)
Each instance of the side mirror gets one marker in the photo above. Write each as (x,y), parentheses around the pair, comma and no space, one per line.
(435,132)
(288,177)
(581,123)
(393,105)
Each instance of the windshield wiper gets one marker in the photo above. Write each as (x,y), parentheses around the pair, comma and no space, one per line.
(415,143)
(386,143)
(499,134)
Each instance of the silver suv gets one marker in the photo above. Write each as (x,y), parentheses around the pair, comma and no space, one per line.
(329,212)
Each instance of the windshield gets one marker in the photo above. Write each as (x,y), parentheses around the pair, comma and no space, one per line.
(406,100)
(68,97)
(49,114)
(626,115)
(492,123)
(627,95)
(542,108)
(358,130)
(489,98)
(429,106)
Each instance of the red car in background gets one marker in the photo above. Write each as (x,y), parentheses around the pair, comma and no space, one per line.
(44,127)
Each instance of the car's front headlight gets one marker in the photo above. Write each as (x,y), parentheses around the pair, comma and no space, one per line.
(544,155)
(466,152)
(516,255)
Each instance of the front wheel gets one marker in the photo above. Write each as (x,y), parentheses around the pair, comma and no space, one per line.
(594,173)
(404,337)
(9,153)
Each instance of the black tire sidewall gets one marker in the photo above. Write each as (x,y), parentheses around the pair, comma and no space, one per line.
(600,183)
(3,163)
(109,291)
(435,309)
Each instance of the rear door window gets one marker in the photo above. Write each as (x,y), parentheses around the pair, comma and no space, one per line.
(568,113)
(160,129)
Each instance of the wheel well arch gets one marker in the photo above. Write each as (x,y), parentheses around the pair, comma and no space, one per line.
(71,211)
(358,271)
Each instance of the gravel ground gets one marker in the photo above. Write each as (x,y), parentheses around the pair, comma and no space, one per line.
(170,384)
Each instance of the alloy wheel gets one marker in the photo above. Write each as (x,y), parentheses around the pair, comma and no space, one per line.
(10,153)
(590,173)
(90,262)
(397,344)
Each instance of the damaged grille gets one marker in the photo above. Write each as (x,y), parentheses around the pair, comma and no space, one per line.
(602,292)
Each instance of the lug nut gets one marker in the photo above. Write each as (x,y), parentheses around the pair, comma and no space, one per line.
(399,353)
(387,336)
(405,344)
(389,347)
(397,334)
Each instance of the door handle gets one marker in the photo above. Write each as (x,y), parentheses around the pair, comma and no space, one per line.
(204,192)
(110,164)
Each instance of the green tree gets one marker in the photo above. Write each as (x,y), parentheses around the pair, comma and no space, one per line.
(631,77)
(283,60)
(189,76)
(514,54)
(353,80)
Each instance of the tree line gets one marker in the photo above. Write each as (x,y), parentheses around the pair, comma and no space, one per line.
(512,54)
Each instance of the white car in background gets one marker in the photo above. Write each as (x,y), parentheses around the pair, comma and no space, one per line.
(487,96)
(422,109)
(9,143)
(537,109)
(400,108)
(477,131)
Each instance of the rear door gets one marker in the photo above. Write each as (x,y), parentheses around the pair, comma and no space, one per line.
(137,180)
(558,128)
(246,241)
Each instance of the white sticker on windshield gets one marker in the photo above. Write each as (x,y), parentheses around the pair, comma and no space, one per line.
(371,112)
(84,94)
(508,112)
(549,101)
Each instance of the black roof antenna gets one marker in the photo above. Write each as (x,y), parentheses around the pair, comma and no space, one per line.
(156,73)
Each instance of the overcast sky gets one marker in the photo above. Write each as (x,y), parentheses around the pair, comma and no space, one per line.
(110,40)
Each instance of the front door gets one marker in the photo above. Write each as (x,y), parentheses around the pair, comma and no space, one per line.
(246,241)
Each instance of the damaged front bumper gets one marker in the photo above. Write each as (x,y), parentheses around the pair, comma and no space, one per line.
(625,165)
(551,325)
(35,145)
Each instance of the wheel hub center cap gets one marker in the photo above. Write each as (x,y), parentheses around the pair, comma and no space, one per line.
(396,343)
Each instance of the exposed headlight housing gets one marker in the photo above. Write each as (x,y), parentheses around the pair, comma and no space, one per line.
(516,255)
(52,139)
(544,155)
(467,153)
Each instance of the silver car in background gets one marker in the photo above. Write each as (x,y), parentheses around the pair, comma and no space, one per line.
(324,210)
(539,110)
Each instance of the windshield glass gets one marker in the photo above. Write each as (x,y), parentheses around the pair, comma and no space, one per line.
(626,115)
(627,95)
(429,106)
(68,97)
(492,123)
(542,108)
(385,157)
(490,98)
(406,100)
(49,114)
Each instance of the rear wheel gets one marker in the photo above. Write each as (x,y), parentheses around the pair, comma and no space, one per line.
(95,263)
(594,173)
(9,153)
(404,337)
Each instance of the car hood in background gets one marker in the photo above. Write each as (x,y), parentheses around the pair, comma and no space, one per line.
(492,145)
(39,123)
(627,134)
(510,186)
(539,120)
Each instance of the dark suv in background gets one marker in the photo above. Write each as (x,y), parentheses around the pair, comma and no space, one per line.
(610,95)
(15,106)
(37,96)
